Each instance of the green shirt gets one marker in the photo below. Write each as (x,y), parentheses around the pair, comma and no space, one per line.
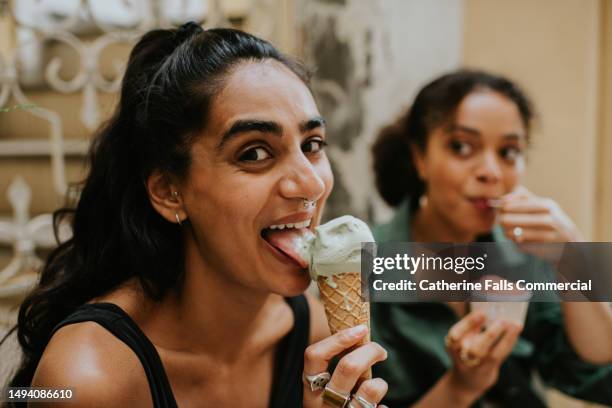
(413,334)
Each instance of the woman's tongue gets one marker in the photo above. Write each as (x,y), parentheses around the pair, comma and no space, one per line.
(286,241)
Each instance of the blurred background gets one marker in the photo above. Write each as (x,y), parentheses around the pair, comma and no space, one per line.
(61,63)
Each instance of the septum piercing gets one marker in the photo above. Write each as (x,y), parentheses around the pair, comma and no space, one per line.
(308,203)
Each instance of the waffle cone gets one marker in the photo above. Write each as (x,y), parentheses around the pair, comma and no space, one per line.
(343,305)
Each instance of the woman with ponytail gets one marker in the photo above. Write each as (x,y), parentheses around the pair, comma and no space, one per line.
(453,166)
(172,290)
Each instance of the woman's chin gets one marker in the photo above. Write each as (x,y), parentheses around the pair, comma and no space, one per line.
(483,223)
(484,228)
(293,285)
(479,226)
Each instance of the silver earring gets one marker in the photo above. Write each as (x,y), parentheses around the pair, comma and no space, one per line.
(423,201)
(308,203)
(178,219)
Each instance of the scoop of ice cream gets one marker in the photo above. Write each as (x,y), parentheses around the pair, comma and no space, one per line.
(336,247)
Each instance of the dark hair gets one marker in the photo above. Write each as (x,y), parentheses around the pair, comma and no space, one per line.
(395,173)
(166,93)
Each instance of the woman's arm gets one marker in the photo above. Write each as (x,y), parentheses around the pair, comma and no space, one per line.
(557,361)
(588,325)
(447,393)
(589,328)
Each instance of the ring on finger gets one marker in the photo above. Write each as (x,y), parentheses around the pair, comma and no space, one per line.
(517,232)
(469,361)
(363,403)
(317,381)
(334,398)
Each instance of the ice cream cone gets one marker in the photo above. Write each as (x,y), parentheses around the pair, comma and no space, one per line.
(341,296)
(333,255)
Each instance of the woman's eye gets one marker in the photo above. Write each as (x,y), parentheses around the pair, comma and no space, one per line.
(255,154)
(313,146)
(461,148)
(511,153)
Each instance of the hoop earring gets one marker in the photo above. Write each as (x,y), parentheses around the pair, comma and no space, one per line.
(178,219)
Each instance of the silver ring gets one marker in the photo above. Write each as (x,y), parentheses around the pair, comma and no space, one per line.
(363,403)
(334,398)
(517,232)
(308,203)
(318,381)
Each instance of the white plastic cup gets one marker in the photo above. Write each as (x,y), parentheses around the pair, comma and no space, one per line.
(511,311)
(508,305)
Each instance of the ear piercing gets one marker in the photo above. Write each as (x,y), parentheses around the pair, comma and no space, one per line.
(178,219)
(423,201)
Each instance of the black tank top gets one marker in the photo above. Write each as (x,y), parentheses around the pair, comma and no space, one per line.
(289,361)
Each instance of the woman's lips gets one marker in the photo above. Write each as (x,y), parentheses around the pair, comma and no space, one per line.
(482,204)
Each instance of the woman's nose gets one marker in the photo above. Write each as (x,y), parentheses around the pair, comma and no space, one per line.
(301,180)
(489,170)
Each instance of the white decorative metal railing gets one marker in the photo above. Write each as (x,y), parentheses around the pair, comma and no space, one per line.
(88,28)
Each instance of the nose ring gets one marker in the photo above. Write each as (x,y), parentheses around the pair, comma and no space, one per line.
(308,204)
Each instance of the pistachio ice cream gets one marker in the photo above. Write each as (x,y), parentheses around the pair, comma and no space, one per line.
(336,247)
(333,255)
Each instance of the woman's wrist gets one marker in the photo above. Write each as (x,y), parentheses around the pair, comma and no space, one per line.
(461,395)
(447,392)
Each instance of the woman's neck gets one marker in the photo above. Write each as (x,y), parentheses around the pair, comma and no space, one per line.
(429,226)
(212,314)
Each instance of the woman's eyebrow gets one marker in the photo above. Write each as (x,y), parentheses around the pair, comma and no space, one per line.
(475,132)
(461,128)
(249,125)
(514,136)
(265,126)
(312,123)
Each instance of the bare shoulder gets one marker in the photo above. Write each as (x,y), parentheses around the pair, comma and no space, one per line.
(101,370)
(319,329)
